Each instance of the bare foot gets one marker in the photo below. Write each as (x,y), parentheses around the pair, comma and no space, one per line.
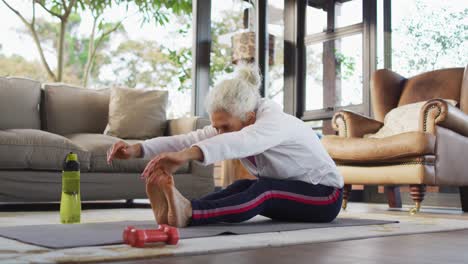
(180,209)
(158,202)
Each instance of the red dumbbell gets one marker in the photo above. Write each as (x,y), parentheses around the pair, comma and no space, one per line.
(128,229)
(165,233)
(126,233)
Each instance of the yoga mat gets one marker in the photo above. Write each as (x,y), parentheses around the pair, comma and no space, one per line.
(110,233)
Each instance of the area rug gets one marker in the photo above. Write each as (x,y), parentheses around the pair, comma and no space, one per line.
(12,251)
(110,233)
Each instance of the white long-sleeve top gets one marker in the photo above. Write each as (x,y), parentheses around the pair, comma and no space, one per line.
(283,146)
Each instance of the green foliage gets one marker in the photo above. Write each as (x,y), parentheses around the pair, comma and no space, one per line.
(76,46)
(182,64)
(345,65)
(433,37)
(79,54)
(143,64)
(139,61)
(159,10)
(220,62)
(156,10)
(16,65)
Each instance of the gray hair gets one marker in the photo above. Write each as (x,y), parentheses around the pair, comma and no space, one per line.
(237,94)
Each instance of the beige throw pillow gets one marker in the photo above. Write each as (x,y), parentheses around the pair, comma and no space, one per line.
(137,114)
(402,119)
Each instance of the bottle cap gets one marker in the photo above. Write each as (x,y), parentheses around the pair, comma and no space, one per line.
(71,162)
(72,156)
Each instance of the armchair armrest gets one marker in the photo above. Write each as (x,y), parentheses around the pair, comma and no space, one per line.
(185,125)
(350,124)
(439,112)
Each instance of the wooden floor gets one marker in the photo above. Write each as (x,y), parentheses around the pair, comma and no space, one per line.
(443,247)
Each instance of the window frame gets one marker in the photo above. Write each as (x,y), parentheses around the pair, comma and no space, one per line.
(295,22)
(201,51)
(295,41)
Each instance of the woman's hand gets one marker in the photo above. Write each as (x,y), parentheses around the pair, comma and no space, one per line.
(169,162)
(122,150)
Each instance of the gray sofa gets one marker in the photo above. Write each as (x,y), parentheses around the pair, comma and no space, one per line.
(41,123)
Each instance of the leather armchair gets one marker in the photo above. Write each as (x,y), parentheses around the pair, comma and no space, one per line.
(434,155)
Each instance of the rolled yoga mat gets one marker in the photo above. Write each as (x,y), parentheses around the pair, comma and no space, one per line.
(110,233)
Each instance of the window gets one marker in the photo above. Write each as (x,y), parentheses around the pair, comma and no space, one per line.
(347,61)
(380,35)
(316,19)
(227,20)
(230,20)
(275,89)
(334,58)
(348,55)
(155,56)
(135,46)
(428,35)
(314,77)
(317,126)
(348,13)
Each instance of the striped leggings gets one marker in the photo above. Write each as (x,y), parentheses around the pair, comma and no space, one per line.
(277,199)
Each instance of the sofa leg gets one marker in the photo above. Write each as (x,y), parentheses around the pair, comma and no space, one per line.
(393,196)
(417,192)
(346,195)
(464,198)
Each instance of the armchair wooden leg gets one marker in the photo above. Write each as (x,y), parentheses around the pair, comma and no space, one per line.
(464,198)
(417,192)
(346,195)
(393,196)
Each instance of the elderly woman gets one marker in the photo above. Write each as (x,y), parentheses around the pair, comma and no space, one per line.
(297,179)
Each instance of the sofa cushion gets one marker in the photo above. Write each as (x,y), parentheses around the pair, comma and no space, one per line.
(137,114)
(37,150)
(363,150)
(19,103)
(98,144)
(68,109)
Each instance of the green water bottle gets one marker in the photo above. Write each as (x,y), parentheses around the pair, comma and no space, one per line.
(70,204)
